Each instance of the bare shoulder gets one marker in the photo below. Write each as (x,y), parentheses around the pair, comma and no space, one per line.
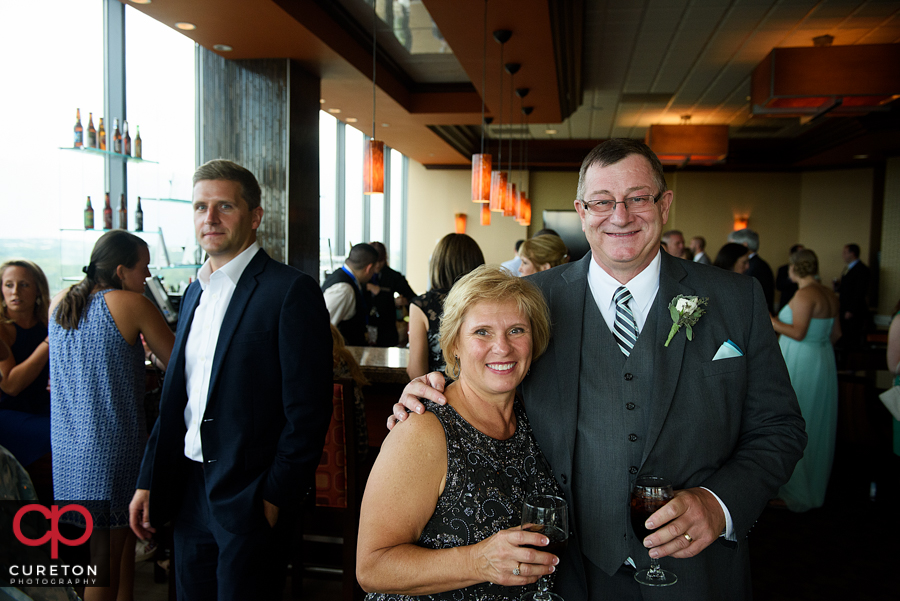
(421,432)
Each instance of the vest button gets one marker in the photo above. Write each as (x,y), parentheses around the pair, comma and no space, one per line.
(629,406)
(632,470)
(632,437)
(629,377)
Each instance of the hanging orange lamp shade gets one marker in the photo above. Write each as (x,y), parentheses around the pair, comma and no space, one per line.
(460,221)
(498,190)
(485,214)
(680,144)
(509,203)
(520,198)
(526,212)
(373,167)
(481,178)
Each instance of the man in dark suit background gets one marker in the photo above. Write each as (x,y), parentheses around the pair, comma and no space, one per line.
(786,288)
(245,404)
(757,268)
(853,299)
(716,414)
(698,247)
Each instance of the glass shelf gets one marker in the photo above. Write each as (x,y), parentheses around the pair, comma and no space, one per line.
(109,153)
(179,200)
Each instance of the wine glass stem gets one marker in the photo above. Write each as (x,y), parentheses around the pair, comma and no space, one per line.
(655,571)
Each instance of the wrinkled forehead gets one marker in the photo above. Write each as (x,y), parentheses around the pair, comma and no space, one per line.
(631,174)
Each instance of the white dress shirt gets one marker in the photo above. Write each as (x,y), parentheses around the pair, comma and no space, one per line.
(340,300)
(218,287)
(699,255)
(643,288)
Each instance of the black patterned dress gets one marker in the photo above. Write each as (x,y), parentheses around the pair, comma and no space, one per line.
(487,481)
(432,305)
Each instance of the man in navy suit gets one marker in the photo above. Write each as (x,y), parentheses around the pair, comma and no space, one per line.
(245,404)
(619,393)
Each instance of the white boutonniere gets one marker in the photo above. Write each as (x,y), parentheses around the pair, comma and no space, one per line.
(685,311)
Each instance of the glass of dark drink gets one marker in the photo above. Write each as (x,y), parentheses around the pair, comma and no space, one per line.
(650,493)
(548,515)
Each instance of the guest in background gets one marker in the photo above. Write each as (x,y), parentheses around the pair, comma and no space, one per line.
(513,264)
(24,398)
(783,283)
(756,266)
(387,292)
(698,247)
(454,256)
(893,361)
(97,392)
(346,367)
(854,289)
(733,257)
(673,242)
(475,460)
(344,296)
(808,327)
(541,253)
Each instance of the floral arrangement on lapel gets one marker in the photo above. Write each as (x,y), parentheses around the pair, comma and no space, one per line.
(685,311)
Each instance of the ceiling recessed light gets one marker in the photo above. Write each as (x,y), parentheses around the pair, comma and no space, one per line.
(185,26)
(321,101)
(385,125)
(140,1)
(550,132)
(334,111)
(860,156)
(352,119)
(223,48)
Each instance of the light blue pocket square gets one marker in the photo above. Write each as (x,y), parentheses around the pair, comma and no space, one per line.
(728,350)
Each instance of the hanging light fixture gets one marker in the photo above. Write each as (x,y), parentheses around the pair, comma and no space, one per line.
(509,202)
(373,152)
(498,177)
(517,208)
(481,163)
(523,215)
(485,214)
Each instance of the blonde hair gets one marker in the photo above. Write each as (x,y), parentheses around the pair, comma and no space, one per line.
(340,354)
(805,263)
(546,249)
(492,283)
(42,302)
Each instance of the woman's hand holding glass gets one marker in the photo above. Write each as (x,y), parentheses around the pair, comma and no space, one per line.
(501,555)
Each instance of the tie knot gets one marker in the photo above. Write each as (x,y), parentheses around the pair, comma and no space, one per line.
(622,296)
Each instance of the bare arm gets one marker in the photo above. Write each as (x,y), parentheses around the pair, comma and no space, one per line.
(16,377)
(388,560)
(893,350)
(418,343)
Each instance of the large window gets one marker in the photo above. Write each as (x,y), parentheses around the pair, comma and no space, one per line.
(346,215)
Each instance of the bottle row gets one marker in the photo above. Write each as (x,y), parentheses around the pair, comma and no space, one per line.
(96,138)
(108,215)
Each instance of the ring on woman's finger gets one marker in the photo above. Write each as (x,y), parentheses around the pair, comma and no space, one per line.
(516,570)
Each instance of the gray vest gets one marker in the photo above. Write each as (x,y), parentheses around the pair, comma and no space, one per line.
(614,393)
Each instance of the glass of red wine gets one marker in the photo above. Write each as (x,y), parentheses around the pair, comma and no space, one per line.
(548,515)
(650,493)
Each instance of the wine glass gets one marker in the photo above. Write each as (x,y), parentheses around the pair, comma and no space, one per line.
(649,494)
(548,515)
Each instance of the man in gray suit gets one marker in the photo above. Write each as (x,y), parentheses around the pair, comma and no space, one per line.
(618,395)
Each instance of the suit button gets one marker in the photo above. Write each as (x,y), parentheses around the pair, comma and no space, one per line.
(563,478)
(633,437)
(629,377)
(632,470)
(629,406)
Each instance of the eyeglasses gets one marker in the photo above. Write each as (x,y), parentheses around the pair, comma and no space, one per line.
(633,204)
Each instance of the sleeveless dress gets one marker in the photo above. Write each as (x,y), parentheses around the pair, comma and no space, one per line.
(98,428)
(25,417)
(487,482)
(432,305)
(811,365)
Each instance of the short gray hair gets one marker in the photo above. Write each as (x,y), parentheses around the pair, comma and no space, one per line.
(747,237)
(614,150)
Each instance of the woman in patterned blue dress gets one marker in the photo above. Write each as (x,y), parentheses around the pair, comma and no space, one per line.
(458,535)
(98,429)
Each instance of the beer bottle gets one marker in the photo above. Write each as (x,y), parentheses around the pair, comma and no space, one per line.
(92,133)
(117,138)
(127,140)
(101,134)
(79,131)
(107,214)
(123,213)
(89,215)
(138,217)
(138,150)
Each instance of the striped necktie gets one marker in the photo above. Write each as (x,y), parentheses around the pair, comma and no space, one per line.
(625,328)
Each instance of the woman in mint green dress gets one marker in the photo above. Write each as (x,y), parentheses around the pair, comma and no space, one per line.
(808,326)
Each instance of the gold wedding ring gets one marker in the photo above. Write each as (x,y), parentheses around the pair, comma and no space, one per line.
(688,537)
(516,570)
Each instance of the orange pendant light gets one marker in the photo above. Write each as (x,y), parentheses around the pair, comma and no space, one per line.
(485,214)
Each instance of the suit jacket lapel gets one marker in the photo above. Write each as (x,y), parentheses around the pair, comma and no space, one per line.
(242,293)
(568,332)
(667,360)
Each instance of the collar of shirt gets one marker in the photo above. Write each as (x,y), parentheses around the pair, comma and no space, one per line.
(852,264)
(752,254)
(233,269)
(643,288)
